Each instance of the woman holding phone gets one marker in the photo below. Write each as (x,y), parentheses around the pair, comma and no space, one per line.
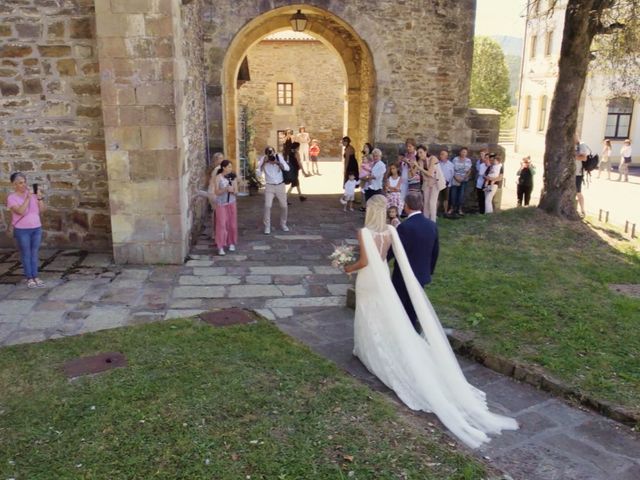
(27,228)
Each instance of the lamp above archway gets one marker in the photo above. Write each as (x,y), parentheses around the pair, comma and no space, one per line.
(298,21)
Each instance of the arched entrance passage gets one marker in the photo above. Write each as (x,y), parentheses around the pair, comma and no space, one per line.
(330,30)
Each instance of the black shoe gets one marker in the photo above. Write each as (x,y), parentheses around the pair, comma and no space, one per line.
(302,199)
(288,203)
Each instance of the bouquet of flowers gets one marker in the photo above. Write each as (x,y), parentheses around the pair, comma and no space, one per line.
(342,255)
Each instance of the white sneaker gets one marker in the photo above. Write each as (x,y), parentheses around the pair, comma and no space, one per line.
(285,228)
(267,230)
(232,248)
(343,201)
(221,251)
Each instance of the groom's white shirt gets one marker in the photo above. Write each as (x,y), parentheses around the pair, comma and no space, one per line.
(412,214)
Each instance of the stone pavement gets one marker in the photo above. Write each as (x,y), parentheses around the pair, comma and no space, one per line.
(287,278)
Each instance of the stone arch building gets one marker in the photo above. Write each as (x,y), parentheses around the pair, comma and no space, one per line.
(110,103)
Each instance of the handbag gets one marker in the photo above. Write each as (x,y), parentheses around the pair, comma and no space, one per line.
(441,182)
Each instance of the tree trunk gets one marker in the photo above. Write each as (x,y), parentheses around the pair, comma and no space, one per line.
(582,23)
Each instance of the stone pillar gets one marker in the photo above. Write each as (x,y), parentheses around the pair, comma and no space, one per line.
(137,52)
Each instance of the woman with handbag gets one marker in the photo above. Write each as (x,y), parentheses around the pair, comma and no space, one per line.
(27,228)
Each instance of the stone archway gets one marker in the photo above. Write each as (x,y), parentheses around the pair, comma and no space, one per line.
(331,31)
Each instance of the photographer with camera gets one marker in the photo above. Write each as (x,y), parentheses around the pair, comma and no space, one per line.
(27,228)
(226,213)
(272,165)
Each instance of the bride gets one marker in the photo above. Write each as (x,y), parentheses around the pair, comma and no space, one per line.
(420,368)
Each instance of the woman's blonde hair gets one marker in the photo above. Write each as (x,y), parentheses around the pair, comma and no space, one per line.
(376,216)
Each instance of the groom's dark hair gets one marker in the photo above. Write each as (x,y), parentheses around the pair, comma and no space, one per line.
(413,200)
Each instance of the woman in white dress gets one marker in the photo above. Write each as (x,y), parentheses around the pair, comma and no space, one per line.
(420,368)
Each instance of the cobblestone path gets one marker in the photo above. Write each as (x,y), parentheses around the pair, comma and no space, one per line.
(287,278)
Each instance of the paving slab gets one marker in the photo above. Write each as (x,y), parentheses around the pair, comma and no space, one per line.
(209,280)
(209,271)
(198,292)
(104,317)
(253,291)
(73,290)
(42,320)
(17,307)
(102,260)
(280,270)
(305,302)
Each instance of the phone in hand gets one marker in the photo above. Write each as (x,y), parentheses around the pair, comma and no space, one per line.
(35,188)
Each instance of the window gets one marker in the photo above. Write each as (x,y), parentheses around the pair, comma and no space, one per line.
(285,93)
(619,117)
(548,43)
(527,111)
(542,118)
(533,46)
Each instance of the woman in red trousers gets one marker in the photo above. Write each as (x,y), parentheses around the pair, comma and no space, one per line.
(226,214)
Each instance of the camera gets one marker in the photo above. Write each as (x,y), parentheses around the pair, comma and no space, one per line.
(231,176)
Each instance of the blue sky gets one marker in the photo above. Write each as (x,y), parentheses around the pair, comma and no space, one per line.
(500,17)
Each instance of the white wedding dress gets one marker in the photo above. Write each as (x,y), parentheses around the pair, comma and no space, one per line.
(421,369)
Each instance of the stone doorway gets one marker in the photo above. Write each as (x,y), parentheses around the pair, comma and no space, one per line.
(332,32)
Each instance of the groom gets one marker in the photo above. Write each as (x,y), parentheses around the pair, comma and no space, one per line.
(419,237)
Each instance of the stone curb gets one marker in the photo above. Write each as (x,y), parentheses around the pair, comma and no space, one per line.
(463,344)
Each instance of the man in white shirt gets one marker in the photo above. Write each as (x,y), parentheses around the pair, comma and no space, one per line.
(375,179)
(625,159)
(272,165)
(447,169)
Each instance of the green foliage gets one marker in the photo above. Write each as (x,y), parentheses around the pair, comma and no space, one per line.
(616,49)
(489,77)
(197,402)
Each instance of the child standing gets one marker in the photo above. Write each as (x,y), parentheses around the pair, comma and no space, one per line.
(392,188)
(314,153)
(392,216)
(349,192)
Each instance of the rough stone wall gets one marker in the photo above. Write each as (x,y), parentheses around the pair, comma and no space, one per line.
(191,115)
(422,53)
(318,92)
(51,119)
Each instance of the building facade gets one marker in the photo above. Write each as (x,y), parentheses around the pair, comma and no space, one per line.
(110,104)
(602,115)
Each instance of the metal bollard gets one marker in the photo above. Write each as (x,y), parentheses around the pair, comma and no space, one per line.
(626,226)
(633,231)
(606,218)
(600,215)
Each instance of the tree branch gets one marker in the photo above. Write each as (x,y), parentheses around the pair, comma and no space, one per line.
(601,29)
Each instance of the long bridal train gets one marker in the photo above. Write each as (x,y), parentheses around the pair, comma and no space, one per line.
(421,369)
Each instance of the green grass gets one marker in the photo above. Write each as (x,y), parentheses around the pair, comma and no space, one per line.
(534,288)
(196,402)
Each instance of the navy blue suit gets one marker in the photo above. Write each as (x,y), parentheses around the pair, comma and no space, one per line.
(419,237)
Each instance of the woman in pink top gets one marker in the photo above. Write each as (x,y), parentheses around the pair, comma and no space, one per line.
(27,229)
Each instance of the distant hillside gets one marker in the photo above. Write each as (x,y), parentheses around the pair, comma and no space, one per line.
(513,64)
(512,48)
(510,45)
